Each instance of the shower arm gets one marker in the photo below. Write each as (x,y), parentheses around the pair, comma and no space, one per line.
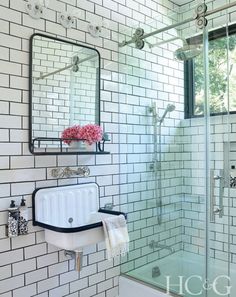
(207,13)
(42,76)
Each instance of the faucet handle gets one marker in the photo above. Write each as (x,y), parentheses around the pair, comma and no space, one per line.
(109,206)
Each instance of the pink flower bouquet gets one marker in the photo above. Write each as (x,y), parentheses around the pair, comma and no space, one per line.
(91,133)
(71,132)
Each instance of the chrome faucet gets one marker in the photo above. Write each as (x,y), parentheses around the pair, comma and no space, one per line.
(109,206)
(156,245)
(81,171)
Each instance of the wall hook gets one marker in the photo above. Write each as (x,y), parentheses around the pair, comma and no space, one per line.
(96,29)
(35,8)
(67,19)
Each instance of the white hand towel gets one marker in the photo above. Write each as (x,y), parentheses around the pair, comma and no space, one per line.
(116,236)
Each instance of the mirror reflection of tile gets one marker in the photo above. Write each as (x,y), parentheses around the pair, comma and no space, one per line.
(64,87)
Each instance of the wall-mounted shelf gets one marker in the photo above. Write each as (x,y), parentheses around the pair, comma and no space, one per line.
(39,147)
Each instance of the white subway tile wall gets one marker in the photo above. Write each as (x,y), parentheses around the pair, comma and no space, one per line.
(145,77)
(29,266)
(131,80)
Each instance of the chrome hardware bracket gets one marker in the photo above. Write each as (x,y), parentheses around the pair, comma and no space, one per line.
(77,257)
(201,20)
(158,31)
(137,38)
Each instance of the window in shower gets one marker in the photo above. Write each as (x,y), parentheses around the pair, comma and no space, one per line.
(222,66)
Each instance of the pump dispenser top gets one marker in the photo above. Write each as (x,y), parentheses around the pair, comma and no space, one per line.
(12,205)
(22,202)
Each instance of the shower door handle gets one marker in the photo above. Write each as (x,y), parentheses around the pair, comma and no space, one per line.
(218,210)
(221,193)
(212,197)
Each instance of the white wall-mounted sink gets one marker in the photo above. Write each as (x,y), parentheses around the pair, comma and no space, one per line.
(70,215)
(76,240)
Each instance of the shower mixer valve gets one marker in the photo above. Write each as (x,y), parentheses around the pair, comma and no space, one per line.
(154,244)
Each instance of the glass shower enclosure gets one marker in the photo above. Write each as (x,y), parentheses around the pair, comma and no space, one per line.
(177,148)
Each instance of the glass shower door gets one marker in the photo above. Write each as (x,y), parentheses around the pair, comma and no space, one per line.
(217,60)
(181,208)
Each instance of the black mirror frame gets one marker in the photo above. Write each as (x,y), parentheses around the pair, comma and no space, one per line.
(98,104)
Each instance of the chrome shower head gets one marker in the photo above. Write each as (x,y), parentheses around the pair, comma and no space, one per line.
(188,51)
(169,108)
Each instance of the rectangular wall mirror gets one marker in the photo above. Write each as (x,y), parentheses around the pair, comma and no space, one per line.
(64,91)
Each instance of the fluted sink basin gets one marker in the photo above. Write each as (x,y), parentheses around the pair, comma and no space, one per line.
(70,215)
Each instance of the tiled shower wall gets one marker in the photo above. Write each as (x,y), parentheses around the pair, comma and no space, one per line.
(149,76)
(183,166)
(28,266)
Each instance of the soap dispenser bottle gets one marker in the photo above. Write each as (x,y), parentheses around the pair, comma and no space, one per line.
(13,216)
(23,218)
